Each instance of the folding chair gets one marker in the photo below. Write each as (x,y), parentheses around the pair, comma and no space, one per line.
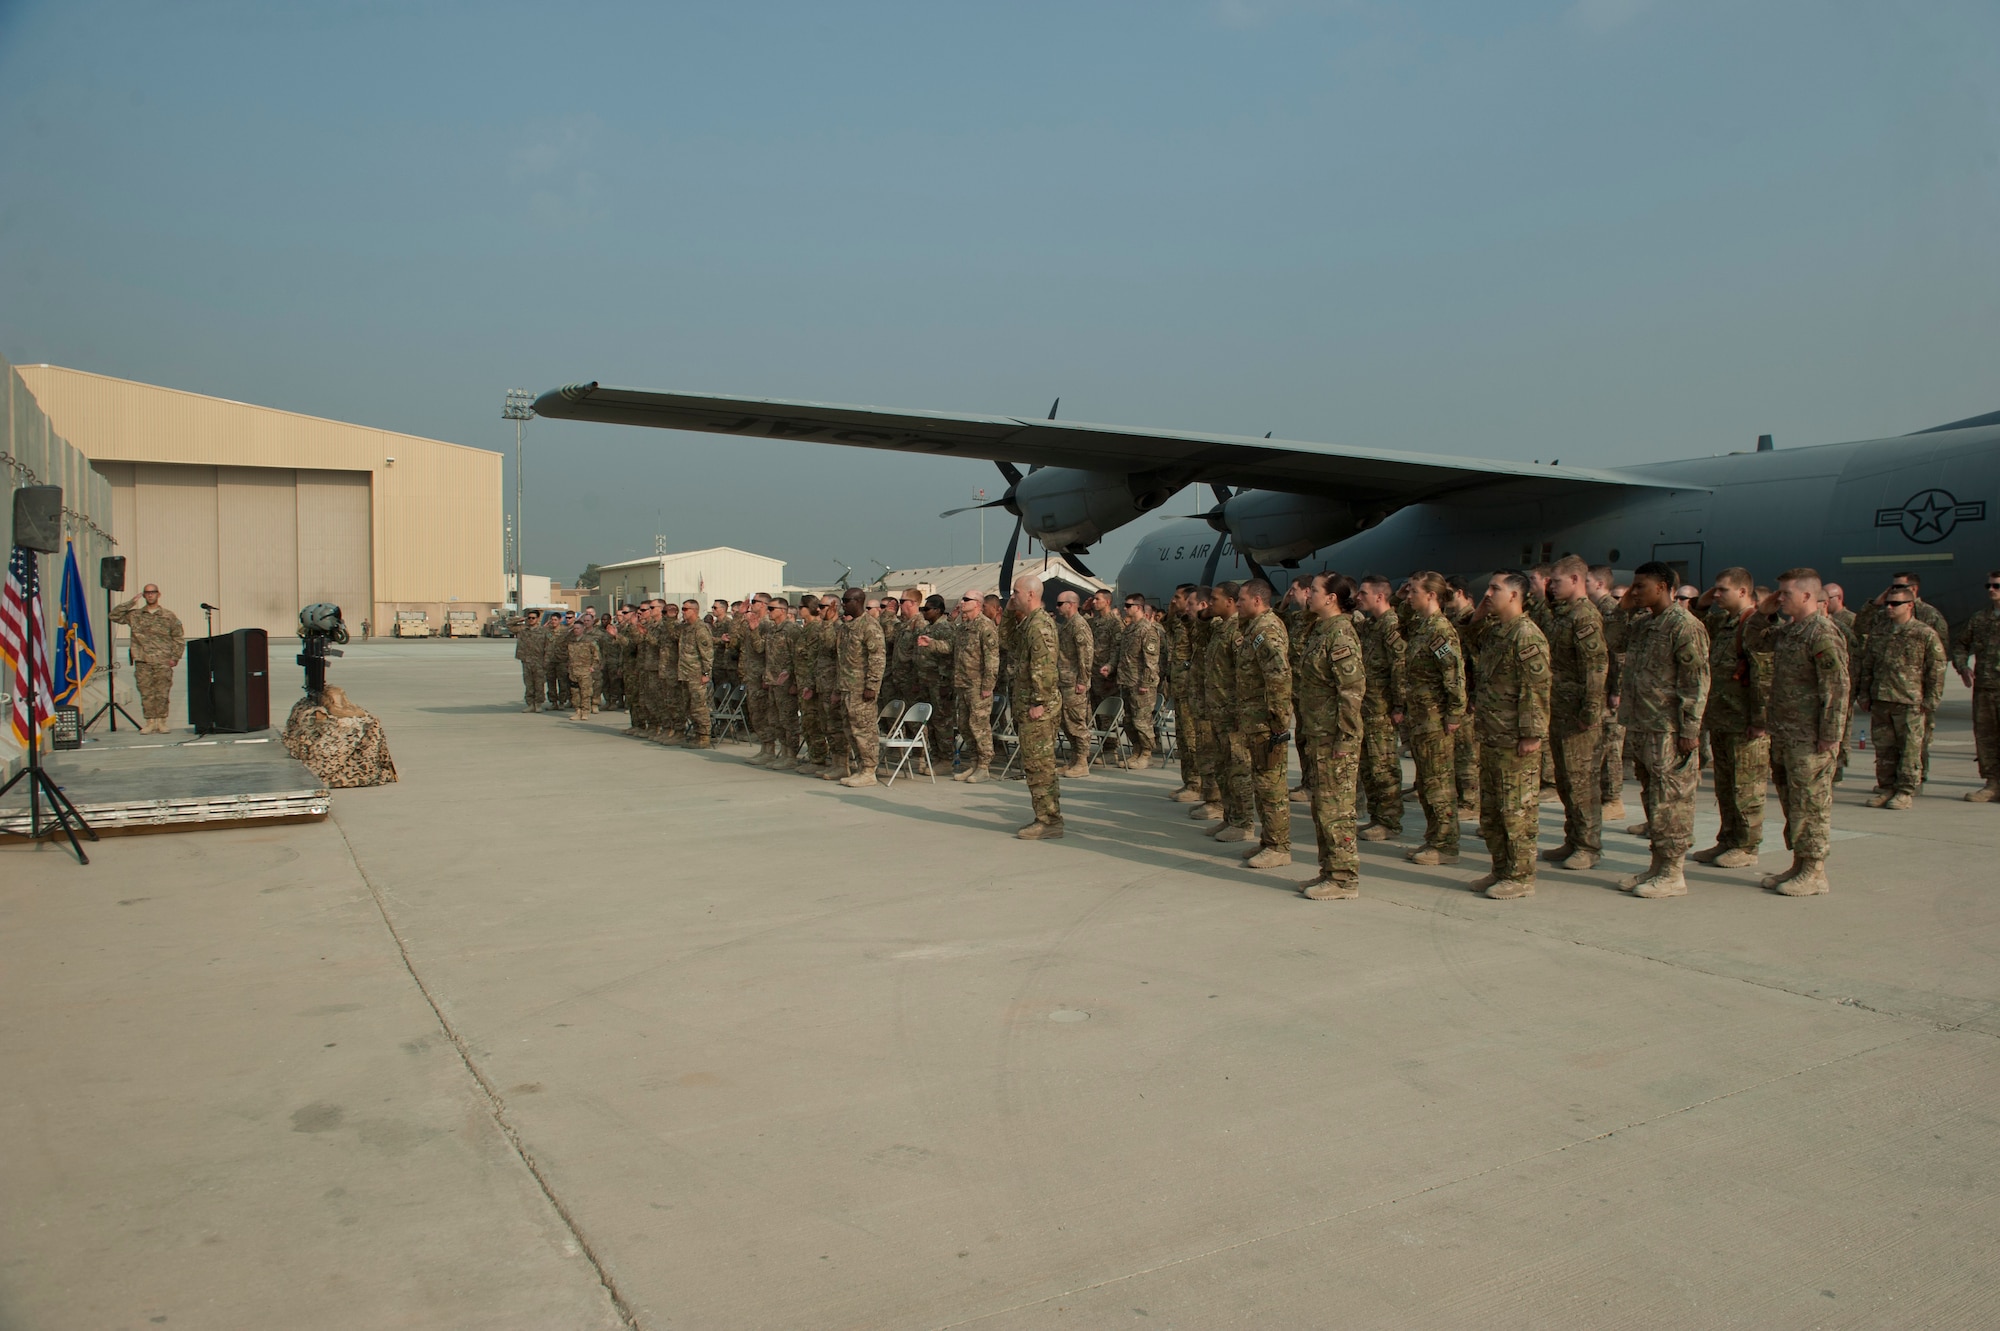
(1106,728)
(1005,734)
(886,718)
(1166,730)
(910,735)
(726,712)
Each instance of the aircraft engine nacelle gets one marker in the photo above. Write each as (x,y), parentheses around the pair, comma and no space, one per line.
(1272,527)
(1067,509)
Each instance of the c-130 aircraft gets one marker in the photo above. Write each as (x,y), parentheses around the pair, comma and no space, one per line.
(1858,512)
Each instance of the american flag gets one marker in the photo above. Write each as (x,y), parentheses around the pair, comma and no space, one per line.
(19,604)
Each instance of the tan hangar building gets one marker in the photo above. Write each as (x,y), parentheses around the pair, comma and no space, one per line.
(260,511)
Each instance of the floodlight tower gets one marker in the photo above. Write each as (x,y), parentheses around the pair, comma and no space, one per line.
(520,406)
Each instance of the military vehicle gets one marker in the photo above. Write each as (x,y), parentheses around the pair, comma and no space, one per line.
(1857,512)
(461,623)
(412,624)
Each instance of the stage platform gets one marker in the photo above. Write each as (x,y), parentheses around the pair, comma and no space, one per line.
(175,783)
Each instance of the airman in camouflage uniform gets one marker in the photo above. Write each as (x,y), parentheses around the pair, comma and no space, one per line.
(899,638)
(673,700)
(1975,654)
(1807,707)
(1180,667)
(1104,628)
(555,663)
(1035,692)
(1239,810)
(1662,695)
(1846,621)
(1075,668)
(1740,641)
(781,684)
(935,644)
(1434,710)
(826,688)
(529,648)
(1579,661)
(1383,652)
(1511,710)
(1138,677)
(583,661)
(1611,760)
(1901,679)
(746,630)
(642,670)
(1259,740)
(613,646)
(1470,626)
(154,649)
(1332,687)
(695,668)
(975,671)
(860,660)
(1926,614)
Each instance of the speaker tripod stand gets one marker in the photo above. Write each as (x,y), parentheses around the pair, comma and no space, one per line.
(63,816)
(111,704)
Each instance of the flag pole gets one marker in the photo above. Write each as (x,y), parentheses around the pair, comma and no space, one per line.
(62,812)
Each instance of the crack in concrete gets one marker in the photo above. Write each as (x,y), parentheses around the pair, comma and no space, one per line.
(1306,1225)
(496,1107)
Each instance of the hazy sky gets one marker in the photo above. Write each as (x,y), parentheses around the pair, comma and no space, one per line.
(1604,230)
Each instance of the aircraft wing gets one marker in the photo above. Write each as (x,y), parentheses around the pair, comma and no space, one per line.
(1178,457)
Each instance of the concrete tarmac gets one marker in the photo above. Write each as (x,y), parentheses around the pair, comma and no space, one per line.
(570,1030)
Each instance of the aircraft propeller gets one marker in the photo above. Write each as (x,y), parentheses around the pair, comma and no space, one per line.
(1013,476)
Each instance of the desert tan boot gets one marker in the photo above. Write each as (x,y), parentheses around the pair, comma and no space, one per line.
(1510,889)
(1331,889)
(1668,882)
(1810,881)
(1270,857)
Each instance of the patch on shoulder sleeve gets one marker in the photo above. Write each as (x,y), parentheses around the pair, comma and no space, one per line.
(1531,651)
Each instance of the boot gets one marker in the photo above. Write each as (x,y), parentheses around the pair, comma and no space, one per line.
(1640,830)
(1270,857)
(1325,888)
(1510,889)
(961,775)
(703,742)
(858,779)
(1631,881)
(1428,855)
(1208,812)
(1710,855)
(1668,882)
(1558,854)
(833,772)
(978,774)
(529,708)
(1231,832)
(1614,809)
(1138,762)
(1550,795)
(1583,859)
(1076,769)
(1897,801)
(1776,880)
(1736,857)
(1300,796)
(1986,794)
(1810,881)
(1186,795)
(1375,832)
(1050,829)
(1484,881)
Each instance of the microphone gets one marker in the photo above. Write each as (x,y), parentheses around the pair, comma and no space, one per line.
(206,606)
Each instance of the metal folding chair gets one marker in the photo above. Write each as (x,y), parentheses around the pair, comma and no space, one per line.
(726,712)
(1005,734)
(1106,728)
(910,736)
(1166,730)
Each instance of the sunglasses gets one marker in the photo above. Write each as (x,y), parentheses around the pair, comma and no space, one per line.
(1993,586)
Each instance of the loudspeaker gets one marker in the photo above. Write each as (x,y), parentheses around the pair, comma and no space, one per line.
(38,518)
(229,682)
(111,573)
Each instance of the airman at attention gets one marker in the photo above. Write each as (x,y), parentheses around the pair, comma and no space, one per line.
(1975,654)
(1511,710)
(583,659)
(528,650)
(1663,693)
(1075,667)
(1807,708)
(781,691)
(1183,691)
(1434,711)
(1035,692)
(1579,661)
(1740,639)
(696,663)
(1138,677)
(1901,681)
(1238,810)
(1381,754)
(1612,758)
(1333,684)
(1259,742)
(155,648)
(861,660)
(934,653)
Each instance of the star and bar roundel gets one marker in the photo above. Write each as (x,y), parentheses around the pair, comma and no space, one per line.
(1929,516)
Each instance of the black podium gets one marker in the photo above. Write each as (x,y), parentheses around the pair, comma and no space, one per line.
(229,682)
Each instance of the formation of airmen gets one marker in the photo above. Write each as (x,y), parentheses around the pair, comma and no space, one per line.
(1539,692)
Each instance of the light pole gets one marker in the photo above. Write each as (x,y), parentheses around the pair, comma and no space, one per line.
(520,406)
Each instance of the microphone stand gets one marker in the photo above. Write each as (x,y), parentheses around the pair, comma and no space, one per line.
(63,816)
(111,677)
(208,664)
